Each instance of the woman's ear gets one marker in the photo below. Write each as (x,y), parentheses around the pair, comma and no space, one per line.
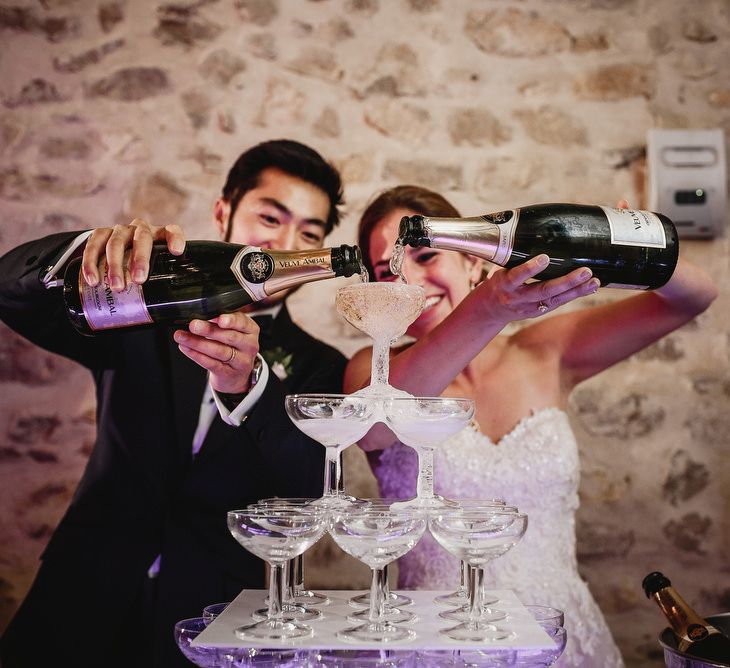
(476,269)
(222,214)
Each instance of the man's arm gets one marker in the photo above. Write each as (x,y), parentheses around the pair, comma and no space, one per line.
(38,313)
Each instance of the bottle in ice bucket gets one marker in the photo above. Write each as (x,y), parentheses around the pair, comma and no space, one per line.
(696,636)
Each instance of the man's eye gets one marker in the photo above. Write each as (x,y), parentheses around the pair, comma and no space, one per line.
(272,220)
(313,238)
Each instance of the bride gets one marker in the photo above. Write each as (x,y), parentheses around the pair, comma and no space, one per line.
(520,446)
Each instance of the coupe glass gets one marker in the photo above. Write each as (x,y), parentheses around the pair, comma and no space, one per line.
(353,658)
(552,621)
(210,612)
(276,536)
(473,658)
(460,597)
(187,630)
(383,311)
(477,536)
(423,423)
(336,421)
(296,592)
(377,536)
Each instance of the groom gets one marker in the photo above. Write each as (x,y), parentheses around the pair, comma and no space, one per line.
(190,424)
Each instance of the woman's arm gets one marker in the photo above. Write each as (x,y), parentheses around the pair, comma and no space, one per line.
(593,339)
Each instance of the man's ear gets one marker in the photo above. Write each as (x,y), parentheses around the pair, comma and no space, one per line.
(222,215)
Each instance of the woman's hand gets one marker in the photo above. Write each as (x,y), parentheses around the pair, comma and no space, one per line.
(226,346)
(507,296)
(114,242)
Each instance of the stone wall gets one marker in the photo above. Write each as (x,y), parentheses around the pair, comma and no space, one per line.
(111,109)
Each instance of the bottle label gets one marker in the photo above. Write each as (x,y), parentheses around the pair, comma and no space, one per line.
(252,267)
(105,308)
(635,228)
(506,224)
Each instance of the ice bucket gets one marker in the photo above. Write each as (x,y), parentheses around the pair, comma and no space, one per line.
(673,658)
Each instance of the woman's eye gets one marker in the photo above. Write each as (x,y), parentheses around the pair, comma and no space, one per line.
(424,258)
(384,275)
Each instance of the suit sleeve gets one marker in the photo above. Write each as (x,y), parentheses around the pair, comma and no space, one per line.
(39,314)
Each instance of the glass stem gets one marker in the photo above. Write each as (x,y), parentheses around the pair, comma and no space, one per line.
(331,472)
(464,583)
(424,485)
(288,585)
(386,584)
(377,597)
(380,367)
(276,585)
(298,575)
(475,603)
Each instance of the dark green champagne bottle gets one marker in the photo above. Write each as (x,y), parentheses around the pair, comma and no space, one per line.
(696,637)
(623,248)
(209,278)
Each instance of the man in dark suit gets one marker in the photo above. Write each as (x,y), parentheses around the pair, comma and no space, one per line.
(184,430)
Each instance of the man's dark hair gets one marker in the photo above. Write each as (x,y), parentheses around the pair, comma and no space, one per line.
(292,158)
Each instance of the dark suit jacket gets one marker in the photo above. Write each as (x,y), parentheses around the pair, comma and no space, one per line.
(142,494)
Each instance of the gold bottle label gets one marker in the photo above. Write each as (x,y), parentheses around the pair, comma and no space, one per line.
(105,308)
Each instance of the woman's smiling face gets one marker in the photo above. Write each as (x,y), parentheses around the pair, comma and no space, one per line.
(445,276)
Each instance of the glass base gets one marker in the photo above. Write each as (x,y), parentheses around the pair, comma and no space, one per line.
(334,501)
(460,598)
(306,597)
(391,614)
(376,632)
(393,600)
(274,629)
(463,614)
(477,632)
(289,612)
(434,502)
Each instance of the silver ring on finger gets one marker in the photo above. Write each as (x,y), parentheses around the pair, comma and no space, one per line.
(232,357)
(542,307)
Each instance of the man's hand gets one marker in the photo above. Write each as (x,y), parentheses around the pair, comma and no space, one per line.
(226,346)
(114,242)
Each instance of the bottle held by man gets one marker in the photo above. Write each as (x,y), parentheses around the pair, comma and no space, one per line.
(209,278)
(624,248)
(696,636)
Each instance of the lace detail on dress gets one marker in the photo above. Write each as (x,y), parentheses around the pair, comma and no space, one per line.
(536,468)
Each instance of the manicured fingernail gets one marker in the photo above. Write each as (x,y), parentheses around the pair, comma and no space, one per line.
(138,275)
(117,283)
(595,284)
(223,321)
(177,246)
(90,279)
(585,273)
(543,260)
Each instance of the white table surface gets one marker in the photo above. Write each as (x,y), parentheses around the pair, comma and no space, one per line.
(528,634)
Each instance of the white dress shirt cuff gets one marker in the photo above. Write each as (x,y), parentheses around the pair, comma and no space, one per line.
(239,413)
(51,280)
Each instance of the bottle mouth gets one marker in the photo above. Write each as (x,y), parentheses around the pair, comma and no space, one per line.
(654,582)
(412,231)
(347,260)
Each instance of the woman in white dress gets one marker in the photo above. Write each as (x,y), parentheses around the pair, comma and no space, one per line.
(521,446)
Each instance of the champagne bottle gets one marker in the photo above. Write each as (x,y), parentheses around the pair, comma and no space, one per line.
(623,248)
(696,636)
(209,278)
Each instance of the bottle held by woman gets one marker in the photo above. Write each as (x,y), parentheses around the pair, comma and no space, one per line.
(696,636)
(209,278)
(623,248)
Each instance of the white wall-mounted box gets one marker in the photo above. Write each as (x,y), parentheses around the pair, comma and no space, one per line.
(687,174)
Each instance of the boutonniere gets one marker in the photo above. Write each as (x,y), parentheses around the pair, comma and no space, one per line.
(279,361)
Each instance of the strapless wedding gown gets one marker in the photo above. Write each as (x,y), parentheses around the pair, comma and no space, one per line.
(536,468)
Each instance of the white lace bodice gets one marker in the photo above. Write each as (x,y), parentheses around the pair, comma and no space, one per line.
(536,468)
